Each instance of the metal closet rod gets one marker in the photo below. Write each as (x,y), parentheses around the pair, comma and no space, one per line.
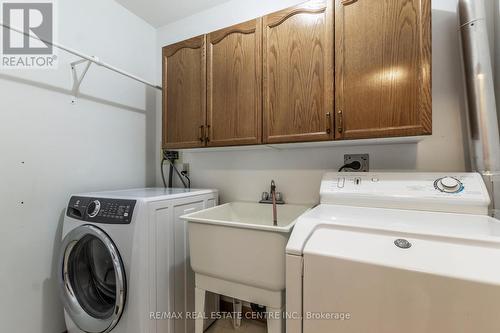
(94,60)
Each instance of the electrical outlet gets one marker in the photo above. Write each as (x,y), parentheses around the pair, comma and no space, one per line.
(171,154)
(185,168)
(364,159)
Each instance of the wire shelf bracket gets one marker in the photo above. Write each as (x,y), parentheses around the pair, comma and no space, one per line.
(85,59)
(78,78)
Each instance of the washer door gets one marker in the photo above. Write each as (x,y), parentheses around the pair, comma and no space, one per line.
(92,279)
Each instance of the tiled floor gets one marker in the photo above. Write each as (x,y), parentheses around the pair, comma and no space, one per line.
(247,326)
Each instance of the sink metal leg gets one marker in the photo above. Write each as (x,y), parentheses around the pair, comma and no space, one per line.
(237,305)
(199,308)
(275,322)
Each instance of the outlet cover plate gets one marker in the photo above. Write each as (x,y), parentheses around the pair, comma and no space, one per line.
(364,159)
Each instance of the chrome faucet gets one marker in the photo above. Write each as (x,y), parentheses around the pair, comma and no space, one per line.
(274,198)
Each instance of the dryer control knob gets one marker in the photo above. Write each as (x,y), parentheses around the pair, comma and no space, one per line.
(94,208)
(449,185)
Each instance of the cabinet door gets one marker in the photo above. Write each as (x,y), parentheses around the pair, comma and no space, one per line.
(184,93)
(383,68)
(234,67)
(298,73)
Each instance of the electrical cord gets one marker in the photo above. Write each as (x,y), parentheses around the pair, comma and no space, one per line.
(356,165)
(184,173)
(163,172)
(172,166)
(170,176)
(177,172)
(181,175)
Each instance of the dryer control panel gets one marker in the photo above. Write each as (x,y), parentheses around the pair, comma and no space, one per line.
(101,210)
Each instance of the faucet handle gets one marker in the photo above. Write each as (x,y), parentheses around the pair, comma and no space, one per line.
(279,196)
(265,196)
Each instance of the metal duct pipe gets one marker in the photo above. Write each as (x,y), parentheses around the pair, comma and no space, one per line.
(483,120)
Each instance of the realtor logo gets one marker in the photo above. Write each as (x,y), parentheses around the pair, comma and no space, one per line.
(18,49)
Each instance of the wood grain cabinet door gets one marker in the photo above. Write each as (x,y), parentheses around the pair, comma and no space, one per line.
(383,68)
(298,73)
(184,94)
(234,74)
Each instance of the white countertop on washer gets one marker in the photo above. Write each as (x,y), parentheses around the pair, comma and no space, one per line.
(148,194)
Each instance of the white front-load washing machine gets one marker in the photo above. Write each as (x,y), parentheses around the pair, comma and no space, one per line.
(124,261)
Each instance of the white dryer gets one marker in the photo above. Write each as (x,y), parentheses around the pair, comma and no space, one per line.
(124,264)
(394,252)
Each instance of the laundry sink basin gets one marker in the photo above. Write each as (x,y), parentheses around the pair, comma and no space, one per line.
(237,242)
(249,215)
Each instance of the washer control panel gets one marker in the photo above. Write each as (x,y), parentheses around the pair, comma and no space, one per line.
(101,210)
(453,192)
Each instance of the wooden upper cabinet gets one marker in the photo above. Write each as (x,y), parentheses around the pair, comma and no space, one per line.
(184,93)
(234,91)
(383,68)
(322,70)
(298,73)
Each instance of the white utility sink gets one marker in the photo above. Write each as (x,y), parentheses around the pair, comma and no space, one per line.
(236,251)
(250,215)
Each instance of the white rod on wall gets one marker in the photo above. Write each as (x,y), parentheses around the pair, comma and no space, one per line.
(94,60)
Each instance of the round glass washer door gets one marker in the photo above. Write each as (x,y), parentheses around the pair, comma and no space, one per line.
(92,279)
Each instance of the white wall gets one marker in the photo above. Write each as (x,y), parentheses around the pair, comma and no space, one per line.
(243,175)
(50,148)
(109,139)
(496,45)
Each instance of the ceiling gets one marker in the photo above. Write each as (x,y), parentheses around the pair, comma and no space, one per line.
(162,12)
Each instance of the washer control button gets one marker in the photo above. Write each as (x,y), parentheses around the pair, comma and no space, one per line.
(448,185)
(94,208)
(341,182)
(449,182)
